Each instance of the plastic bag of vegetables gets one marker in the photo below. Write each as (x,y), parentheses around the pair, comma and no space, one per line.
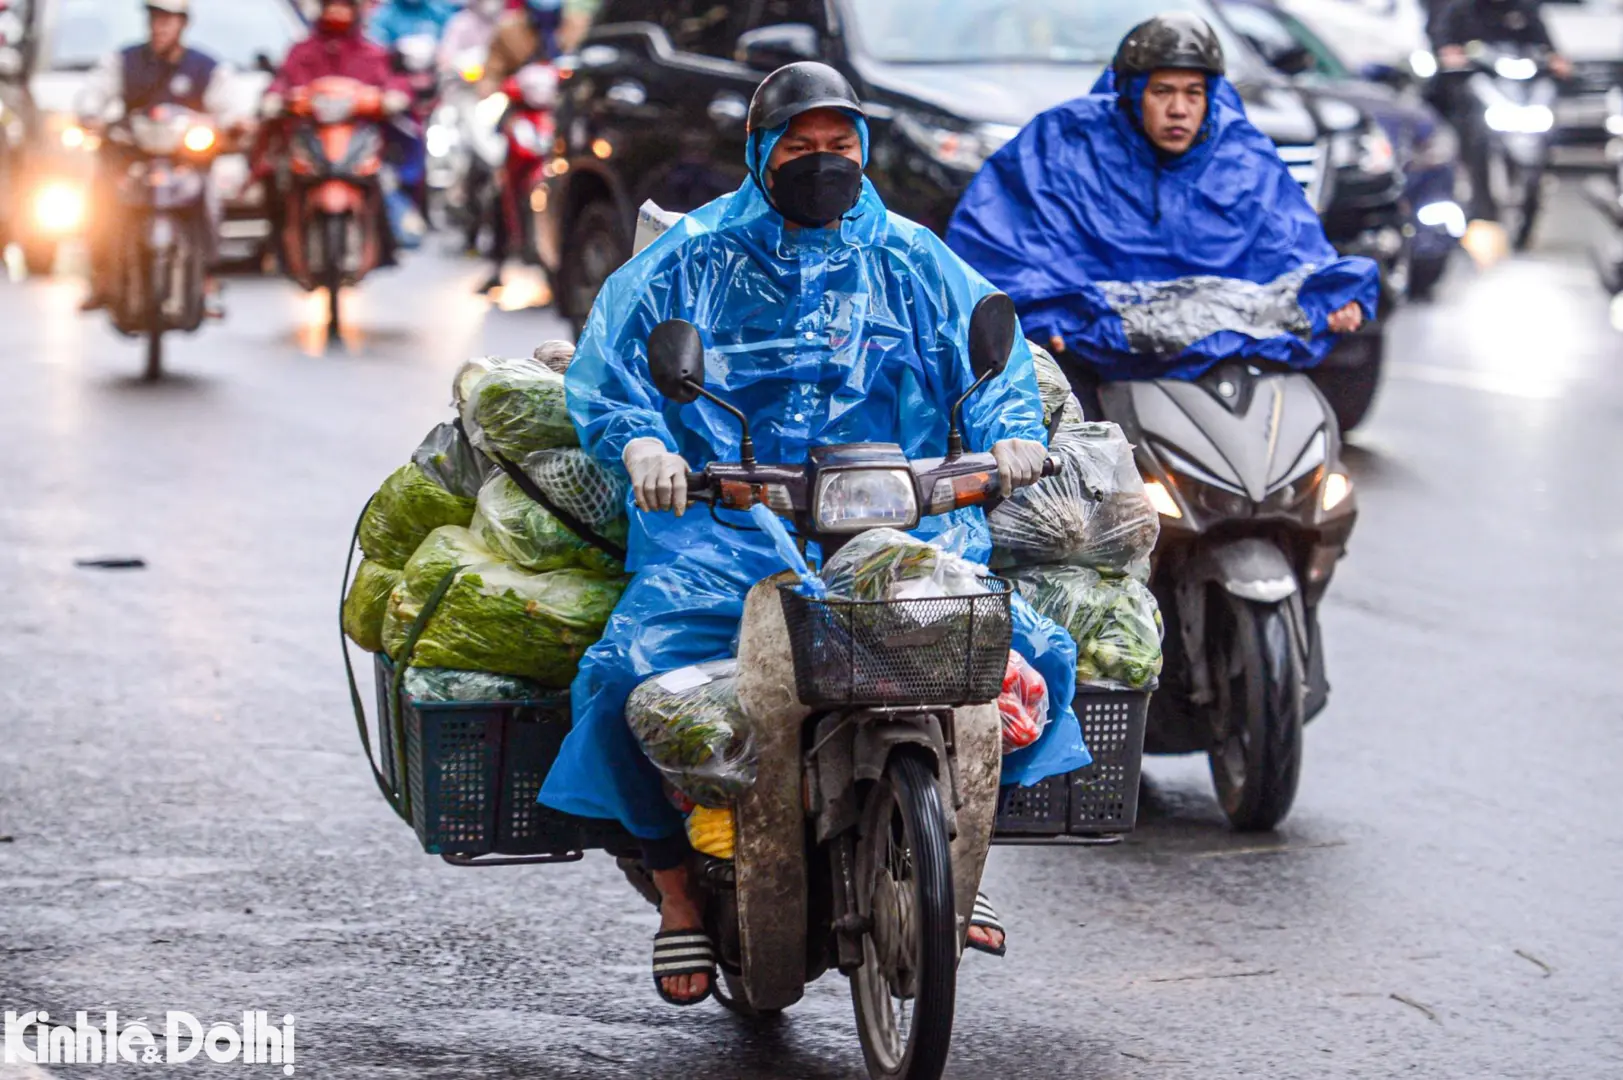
(1115,622)
(445,684)
(885,564)
(513,407)
(1095,513)
(555,355)
(366,603)
(496,617)
(1055,390)
(1023,705)
(410,505)
(517,527)
(450,460)
(690,725)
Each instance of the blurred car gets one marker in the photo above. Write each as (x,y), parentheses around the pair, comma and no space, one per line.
(656,105)
(1589,33)
(1367,33)
(70,37)
(1427,148)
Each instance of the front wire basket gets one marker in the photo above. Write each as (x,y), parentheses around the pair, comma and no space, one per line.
(950,650)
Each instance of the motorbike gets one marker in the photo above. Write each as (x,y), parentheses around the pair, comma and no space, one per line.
(161,252)
(1244,466)
(1514,97)
(335,212)
(467,148)
(1606,194)
(415,58)
(531,130)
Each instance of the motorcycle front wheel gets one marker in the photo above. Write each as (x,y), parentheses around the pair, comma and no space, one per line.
(334,240)
(1261,697)
(157,285)
(906,988)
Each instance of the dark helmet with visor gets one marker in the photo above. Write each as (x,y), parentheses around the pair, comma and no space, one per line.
(1176,40)
(799,88)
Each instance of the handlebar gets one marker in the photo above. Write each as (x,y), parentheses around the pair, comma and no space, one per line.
(736,487)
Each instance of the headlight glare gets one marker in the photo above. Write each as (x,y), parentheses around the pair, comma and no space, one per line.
(1162,499)
(855,500)
(965,149)
(1337,486)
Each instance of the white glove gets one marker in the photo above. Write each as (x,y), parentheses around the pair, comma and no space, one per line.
(270,106)
(659,477)
(395,102)
(1019,463)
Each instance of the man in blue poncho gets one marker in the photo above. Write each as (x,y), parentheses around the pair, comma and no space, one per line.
(1149,231)
(826,320)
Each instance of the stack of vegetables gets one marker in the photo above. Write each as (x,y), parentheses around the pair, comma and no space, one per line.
(524,594)
(1078,545)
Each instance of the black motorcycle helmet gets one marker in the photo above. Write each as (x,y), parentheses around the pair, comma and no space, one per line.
(799,88)
(1176,40)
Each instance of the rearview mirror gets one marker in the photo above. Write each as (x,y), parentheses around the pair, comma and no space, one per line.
(676,360)
(768,48)
(991,335)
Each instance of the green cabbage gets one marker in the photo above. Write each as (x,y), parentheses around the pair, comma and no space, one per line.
(514,407)
(367,600)
(498,618)
(408,507)
(444,684)
(512,524)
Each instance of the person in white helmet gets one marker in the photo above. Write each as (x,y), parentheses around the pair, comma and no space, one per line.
(159,71)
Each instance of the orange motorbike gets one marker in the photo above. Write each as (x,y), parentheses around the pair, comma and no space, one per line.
(333,234)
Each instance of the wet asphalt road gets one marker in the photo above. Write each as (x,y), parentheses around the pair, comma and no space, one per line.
(185,822)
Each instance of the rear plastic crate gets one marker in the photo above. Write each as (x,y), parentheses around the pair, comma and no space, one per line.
(1099,799)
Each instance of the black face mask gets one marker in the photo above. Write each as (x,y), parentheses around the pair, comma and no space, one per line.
(816,189)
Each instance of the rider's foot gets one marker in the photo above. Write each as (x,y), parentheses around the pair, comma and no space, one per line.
(992,940)
(680,910)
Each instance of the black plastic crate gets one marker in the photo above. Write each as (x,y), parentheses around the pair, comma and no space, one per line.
(473,771)
(1099,799)
(951,650)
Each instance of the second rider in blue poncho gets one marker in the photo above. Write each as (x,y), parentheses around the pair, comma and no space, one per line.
(826,320)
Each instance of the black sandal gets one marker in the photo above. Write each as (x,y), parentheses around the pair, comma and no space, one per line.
(986,918)
(683,952)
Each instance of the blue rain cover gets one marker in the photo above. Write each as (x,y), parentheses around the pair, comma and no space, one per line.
(820,337)
(1156,267)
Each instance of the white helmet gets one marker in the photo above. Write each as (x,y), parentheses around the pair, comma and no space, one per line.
(173,7)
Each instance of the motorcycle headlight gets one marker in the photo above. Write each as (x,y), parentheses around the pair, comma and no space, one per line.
(856,500)
(960,148)
(1367,149)
(1517,68)
(1508,116)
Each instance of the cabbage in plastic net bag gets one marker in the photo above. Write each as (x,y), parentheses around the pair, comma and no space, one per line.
(514,407)
(1095,513)
(885,564)
(368,599)
(496,617)
(1115,622)
(579,484)
(520,529)
(410,505)
(444,684)
(1023,705)
(449,459)
(690,725)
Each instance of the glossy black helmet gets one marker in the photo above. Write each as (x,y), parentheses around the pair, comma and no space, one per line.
(799,88)
(1175,40)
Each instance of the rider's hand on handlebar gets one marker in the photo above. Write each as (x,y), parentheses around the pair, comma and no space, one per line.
(658,477)
(1347,318)
(1019,463)
(1451,57)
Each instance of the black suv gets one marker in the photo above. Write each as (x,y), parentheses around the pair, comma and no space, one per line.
(655,103)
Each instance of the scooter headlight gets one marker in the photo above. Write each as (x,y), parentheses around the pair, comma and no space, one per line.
(1517,68)
(1513,118)
(856,500)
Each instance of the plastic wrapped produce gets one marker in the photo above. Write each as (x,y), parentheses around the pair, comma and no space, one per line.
(555,355)
(514,407)
(1055,389)
(496,617)
(410,505)
(368,599)
(449,459)
(520,529)
(444,684)
(1095,513)
(1023,705)
(690,725)
(885,564)
(712,831)
(1115,622)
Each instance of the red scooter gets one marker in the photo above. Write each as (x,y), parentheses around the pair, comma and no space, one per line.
(531,129)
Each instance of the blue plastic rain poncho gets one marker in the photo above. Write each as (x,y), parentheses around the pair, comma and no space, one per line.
(1150,266)
(399,19)
(821,336)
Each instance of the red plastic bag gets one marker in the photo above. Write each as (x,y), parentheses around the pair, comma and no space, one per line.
(1023,704)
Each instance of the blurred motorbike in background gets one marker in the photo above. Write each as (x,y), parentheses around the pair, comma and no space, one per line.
(1606,193)
(531,130)
(335,219)
(468,149)
(160,259)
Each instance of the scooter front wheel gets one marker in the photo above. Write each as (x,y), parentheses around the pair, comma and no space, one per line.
(906,988)
(1262,696)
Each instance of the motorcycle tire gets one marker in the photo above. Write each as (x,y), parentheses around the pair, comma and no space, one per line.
(157,284)
(1261,702)
(729,992)
(1527,216)
(910,950)
(1350,378)
(334,239)
(596,247)
(1424,277)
